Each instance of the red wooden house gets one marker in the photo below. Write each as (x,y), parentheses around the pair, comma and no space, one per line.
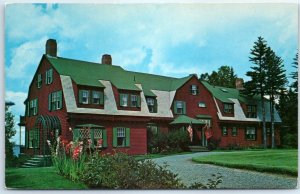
(66,97)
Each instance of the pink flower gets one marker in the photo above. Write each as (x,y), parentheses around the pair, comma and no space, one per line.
(100,142)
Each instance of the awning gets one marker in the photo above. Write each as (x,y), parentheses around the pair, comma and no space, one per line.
(89,126)
(204,116)
(182,119)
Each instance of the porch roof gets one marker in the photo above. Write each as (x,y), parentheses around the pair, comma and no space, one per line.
(182,119)
(202,116)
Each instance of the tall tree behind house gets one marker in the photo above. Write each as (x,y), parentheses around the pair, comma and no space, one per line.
(257,84)
(276,80)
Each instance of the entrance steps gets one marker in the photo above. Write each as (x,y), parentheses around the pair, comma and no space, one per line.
(37,161)
(198,149)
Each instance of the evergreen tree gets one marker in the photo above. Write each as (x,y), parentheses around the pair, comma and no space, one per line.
(294,75)
(257,84)
(225,77)
(275,82)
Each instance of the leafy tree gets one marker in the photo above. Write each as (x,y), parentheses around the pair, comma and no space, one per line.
(225,77)
(257,84)
(275,82)
(9,133)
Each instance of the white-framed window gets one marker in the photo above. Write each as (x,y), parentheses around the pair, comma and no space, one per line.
(121,136)
(134,100)
(250,133)
(96,97)
(124,100)
(224,131)
(228,108)
(151,104)
(33,141)
(33,107)
(85,96)
(202,105)
(39,81)
(234,131)
(194,90)
(49,76)
(251,111)
(180,106)
(55,100)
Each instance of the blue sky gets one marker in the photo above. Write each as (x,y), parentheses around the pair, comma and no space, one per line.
(165,39)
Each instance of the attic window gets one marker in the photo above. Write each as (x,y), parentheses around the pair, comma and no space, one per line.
(224,90)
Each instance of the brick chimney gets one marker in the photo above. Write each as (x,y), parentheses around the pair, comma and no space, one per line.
(106,59)
(239,83)
(51,47)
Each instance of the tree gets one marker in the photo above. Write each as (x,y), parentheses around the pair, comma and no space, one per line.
(257,84)
(275,82)
(9,133)
(224,77)
(294,75)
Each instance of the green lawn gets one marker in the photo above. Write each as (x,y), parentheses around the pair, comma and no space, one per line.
(275,161)
(38,178)
(152,156)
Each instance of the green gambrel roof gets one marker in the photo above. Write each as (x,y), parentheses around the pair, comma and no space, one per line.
(183,119)
(89,74)
(223,94)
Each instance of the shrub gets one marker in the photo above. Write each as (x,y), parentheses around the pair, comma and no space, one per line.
(213,143)
(120,171)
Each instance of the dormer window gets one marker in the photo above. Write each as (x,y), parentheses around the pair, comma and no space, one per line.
(85,97)
(251,111)
(134,100)
(124,100)
(96,97)
(152,105)
(194,90)
(130,100)
(228,108)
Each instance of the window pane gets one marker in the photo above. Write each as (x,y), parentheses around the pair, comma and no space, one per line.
(179,104)
(150,101)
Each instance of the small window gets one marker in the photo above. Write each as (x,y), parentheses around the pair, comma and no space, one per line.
(49,76)
(250,133)
(194,90)
(96,97)
(34,137)
(224,131)
(134,100)
(179,107)
(202,104)
(151,104)
(124,100)
(85,95)
(39,81)
(234,131)
(251,111)
(121,137)
(228,108)
(98,136)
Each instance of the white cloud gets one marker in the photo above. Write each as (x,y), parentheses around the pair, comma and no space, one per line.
(25,58)
(18,98)
(130,57)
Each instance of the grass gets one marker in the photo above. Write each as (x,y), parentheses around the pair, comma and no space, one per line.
(152,156)
(38,178)
(274,161)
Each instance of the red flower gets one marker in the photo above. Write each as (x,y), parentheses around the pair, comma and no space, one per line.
(76,152)
(100,142)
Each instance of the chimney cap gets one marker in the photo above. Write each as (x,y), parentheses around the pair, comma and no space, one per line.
(106,59)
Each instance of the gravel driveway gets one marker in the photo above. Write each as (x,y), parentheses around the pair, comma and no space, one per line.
(189,172)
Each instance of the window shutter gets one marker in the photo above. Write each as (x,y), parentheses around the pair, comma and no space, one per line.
(60,98)
(26,138)
(121,97)
(138,101)
(37,106)
(175,108)
(127,137)
(46,80)
(184,107)
(28,108)
(49,102)
(155,106)
(75,134)
(197,90)
(115,137)
(104,137)
(80,96)
(101,98)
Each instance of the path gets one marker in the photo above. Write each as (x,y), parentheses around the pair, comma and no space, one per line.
(189,172)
